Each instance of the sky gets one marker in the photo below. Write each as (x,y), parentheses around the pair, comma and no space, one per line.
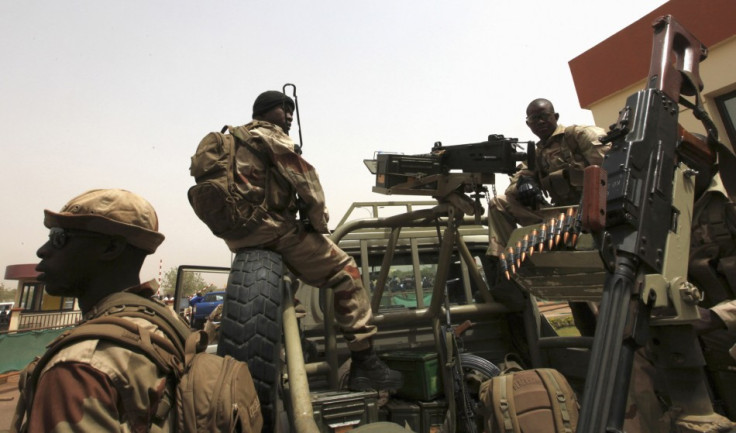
(117,94)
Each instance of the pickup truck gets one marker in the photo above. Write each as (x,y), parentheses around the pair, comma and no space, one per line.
(202,309)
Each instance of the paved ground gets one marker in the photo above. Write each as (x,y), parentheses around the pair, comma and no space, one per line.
(8,400)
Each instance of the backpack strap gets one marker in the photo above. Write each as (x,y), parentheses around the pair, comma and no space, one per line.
(503,387)
(132,305)
(243,136)
(559,400)
(160,350)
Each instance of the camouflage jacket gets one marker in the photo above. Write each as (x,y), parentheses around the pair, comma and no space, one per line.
(290,175)
(94,386)
(712,264)
(560,162)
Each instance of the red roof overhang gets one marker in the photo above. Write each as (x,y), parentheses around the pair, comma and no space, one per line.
(623,59)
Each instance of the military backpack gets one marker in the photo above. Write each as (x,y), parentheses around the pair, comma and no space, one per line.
(539,400)
(212,393)
(218,196)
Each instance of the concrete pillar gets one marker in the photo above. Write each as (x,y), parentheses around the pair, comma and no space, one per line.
(14,319)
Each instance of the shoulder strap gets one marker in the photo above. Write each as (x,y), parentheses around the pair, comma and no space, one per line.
(160,350)
(124,332)
(242,136)
(503,394)
(559,400)
(132,305)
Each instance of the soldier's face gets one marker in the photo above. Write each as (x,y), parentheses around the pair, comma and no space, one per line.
(68,260)
(281,116)
(542,120)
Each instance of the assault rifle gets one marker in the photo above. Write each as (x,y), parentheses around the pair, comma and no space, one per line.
(302,208)
(644,238)
(465,407)
(447,169)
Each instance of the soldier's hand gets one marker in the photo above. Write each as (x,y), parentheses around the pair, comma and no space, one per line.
(529,193)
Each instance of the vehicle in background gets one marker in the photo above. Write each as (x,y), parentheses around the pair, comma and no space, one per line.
(201,310)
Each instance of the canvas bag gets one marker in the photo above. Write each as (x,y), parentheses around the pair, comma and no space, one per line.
(213,394)
(529,401)
(216,198)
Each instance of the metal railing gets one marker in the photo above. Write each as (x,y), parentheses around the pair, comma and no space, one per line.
(61,319)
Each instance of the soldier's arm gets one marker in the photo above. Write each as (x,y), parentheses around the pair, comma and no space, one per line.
(303,177)
(726,312)
(589,144)
(74,397)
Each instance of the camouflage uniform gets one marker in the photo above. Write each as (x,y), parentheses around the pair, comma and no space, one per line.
(560,161)
(312,257)
(713,252)
(712,267)
(95,385)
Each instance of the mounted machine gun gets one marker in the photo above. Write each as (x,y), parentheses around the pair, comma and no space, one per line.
(447,169)
(447,174)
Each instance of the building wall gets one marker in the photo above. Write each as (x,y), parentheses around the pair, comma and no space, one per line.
(609,72)
(719,77)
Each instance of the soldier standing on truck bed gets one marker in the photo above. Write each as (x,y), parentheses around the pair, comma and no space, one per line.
(313,257)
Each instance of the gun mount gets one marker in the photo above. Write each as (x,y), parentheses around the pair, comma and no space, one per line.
(447,169)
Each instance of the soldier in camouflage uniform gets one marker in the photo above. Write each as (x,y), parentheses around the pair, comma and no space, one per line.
(97,244)
(712,268)
(313,258)
(562,154)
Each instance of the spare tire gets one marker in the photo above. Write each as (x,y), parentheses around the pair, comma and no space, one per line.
(251,328)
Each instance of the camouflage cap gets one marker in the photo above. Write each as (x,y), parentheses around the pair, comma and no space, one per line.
(115,212)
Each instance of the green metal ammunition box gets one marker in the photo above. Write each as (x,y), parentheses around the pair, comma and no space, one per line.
(404,414)
(421,374)
(340,411)
(432,415)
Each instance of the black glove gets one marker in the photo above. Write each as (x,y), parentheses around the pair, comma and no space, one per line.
(529,193)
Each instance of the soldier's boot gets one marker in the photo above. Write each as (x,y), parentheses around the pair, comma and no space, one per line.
(367,371)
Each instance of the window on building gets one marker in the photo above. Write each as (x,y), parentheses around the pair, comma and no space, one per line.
(727,109)
(34,298)
(26,296)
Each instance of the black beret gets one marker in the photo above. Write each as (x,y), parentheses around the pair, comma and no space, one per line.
(269,99)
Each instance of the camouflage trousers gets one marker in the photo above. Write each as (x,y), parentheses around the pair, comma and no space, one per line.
(504,214)
(646,412)
(317,261)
